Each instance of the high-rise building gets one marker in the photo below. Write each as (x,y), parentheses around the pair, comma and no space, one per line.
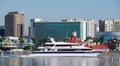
(109,25)
(62,30)
(116,25)
(105,25)
(14,24)
(31,28)
(2,31)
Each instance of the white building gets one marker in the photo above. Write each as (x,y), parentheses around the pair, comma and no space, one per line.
(109,25)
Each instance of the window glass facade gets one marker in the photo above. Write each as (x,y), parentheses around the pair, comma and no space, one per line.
(58,30)
(62,30)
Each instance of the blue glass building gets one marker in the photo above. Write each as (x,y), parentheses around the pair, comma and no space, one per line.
(58,30)
(61,30)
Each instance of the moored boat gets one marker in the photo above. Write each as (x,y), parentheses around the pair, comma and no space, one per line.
(64,49)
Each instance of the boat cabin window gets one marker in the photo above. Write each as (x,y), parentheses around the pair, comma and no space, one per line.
(57,45)
(73,49)
(66,49)
(62,45)
(85,49)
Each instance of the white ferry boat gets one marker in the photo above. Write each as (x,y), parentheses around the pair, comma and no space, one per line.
(64,49)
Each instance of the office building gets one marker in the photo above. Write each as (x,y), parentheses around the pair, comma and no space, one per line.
(14,24)
(109,25)
(2,31)
(116,25)
(62,30)
(105,25)
(31,28)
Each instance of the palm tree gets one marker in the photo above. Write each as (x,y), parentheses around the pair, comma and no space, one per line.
(21,41)
(35,43)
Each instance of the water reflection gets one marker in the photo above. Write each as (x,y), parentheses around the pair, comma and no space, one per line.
(60,61)
(66,61)
(113,60)
(15,61)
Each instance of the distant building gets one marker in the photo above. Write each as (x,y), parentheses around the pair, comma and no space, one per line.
(105,25)
(108,35)
(68,20)
(2,31)
(116,25)
(62,30)
(31,28)
(14,24)
(109,25)
(14,42)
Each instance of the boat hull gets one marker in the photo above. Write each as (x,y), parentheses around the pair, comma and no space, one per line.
(65,54)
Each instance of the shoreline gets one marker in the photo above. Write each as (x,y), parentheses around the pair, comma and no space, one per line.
(111,53)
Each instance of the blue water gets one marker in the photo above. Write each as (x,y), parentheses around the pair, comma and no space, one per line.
(60,61)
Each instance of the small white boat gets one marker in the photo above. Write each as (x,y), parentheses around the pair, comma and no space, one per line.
(64,49)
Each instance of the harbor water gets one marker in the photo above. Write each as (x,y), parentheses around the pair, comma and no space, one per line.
(111,60)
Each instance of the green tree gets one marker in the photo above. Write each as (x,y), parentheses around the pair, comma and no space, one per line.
(34,40)
(112,46)
(35,43)
(88,38)
(43,41)
(26,48)
(21,42)
(101,39)
(1,39)
(95,39)
(112,43)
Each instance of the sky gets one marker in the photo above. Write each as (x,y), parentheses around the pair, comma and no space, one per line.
(56,10)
